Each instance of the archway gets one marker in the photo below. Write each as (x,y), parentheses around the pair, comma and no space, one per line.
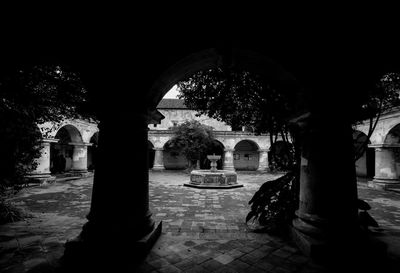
(215,148)
(92,151)
(62,151)
(388,157)
(151,152)
(173,160)
(365,163)
(246,156)
(393,136)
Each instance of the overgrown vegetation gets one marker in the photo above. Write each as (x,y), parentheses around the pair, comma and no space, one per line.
(31,95)
(241,98)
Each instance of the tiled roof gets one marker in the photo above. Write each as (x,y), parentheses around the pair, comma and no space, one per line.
(171,104)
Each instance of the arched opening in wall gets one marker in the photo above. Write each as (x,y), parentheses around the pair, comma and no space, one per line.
(365,160)
(216,148)
(61,152)
(246,156)
(173,160)
(280,155)
(92,151)
(393,138)
(150,149)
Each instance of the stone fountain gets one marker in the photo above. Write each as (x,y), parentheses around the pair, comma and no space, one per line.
(213,178)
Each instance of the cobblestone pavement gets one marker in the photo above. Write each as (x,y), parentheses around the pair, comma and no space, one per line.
(203,229)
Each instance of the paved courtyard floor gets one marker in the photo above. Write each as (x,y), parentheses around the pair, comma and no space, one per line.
(203,229)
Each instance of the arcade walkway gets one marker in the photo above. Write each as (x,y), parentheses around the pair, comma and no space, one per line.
(203,230)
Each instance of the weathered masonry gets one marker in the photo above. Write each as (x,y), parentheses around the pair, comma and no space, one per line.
(128,69)
(68,147)
(239,150)
(382,158)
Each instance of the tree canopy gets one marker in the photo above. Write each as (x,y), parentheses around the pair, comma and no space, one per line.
(241,98)
(192,139)
(31,95)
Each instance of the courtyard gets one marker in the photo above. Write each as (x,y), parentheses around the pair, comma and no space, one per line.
(203,229)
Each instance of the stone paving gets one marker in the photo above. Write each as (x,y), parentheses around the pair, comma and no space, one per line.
(203,229)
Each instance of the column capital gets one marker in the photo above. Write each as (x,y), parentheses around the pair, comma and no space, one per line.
(49,140)
(158,149)
(263,150)
(229,150)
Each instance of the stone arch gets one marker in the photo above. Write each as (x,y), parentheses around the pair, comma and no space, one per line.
(173,161)
(246,155)
(393,135)
(151,152)
(216,148)
(209,58)
(61,152)
(92,151)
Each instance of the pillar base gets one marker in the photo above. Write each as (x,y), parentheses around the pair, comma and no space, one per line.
(158,168)
(384,184)
(81,173)
(360,251)
(111,252)
(41,179)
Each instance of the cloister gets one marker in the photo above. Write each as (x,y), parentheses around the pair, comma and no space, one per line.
(382,157)
(129,74)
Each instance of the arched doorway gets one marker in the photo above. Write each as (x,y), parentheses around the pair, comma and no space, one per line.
(246,156)
(365,163)
(61,152)
(173,160)
(92,151)
(151,152)
(388,157)
(217,148)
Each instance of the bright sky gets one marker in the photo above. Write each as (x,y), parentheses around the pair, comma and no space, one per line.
(172,93)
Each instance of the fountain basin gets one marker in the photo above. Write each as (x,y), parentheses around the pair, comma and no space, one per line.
(213,179)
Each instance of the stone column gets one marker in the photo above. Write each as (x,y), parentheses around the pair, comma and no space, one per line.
(263,160)
(42,172)
(228,160)
(79,157)
(386,170)
(327,216)
(119,216)
(158,159)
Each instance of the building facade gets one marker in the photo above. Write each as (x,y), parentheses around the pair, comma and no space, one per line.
(239,150)
(68,148)
(381,161)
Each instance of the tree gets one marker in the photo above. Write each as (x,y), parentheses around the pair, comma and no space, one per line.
(241,98)
(192,139)
(31,95)
(385,96)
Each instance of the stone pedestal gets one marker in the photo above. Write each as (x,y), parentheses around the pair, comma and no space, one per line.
(263,160)
(228,160)
(42,172)
(386,170)
(158,159)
